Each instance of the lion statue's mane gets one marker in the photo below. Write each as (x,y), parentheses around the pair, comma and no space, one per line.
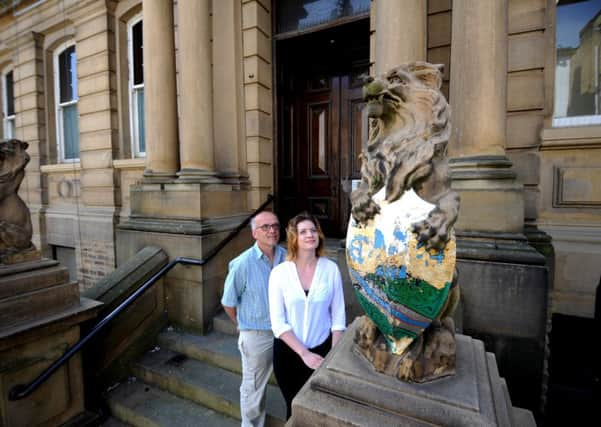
(409,131)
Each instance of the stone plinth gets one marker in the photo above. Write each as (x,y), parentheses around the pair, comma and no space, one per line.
(33,289)
(185,200)
(187,220)
(40,317)
(346,390)
(504,293)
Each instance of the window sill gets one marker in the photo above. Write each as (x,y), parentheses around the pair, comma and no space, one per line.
(567,138)
(137,163)
(61,168)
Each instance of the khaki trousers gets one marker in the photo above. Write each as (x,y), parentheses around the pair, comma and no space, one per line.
(256,349)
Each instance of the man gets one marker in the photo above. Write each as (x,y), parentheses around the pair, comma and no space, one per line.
(246,302)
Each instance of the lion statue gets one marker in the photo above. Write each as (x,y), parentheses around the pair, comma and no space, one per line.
(409,132)
(15,219)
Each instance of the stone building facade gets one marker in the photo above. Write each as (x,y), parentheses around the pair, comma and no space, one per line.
(158,118)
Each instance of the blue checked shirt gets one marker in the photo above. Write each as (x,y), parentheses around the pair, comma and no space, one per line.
(246,287)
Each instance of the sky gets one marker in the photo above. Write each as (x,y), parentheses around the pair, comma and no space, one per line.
(571,18)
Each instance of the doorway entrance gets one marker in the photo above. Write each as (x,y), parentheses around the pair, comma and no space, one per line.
(321,124)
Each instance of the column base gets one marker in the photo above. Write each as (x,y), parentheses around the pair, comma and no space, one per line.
(158,177)
(186,200)
(205,176)
(233,178)
(491,198)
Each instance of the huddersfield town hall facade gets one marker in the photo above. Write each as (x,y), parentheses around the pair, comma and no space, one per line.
(165,123)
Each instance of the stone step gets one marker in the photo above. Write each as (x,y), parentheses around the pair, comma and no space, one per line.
(222,323)
(141,405)
(208,385)
(217,349)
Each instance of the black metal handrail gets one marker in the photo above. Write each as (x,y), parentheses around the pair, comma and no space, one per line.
(20,391)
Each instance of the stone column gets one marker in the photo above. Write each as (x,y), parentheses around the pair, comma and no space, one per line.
(229,89)
(492,200)
(499,272)
(196,97)
(159,90)
(400,33)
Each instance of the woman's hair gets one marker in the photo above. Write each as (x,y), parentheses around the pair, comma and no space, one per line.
(292,235)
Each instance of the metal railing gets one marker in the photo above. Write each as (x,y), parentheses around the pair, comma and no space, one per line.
(21,391)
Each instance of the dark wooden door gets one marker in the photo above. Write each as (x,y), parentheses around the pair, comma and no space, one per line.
(323,130)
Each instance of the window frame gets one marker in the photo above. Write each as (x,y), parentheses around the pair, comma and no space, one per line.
(588,120)
(58,106)
(5,117)
(132,88)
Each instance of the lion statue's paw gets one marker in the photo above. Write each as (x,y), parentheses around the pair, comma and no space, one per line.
(433,231)
(364,208)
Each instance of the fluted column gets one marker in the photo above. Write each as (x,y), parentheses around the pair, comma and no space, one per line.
(400,33)
(491,198)
(196,98)
(159,89)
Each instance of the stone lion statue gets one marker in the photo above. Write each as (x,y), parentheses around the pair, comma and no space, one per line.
(15,219)
(409,132)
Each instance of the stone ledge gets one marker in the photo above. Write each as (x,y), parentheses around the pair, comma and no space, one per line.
(137,163)
(61,168)
(85,310)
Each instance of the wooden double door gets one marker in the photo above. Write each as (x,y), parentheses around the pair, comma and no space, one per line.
(322,129)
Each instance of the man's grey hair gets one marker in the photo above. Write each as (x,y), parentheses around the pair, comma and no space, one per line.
(253,223)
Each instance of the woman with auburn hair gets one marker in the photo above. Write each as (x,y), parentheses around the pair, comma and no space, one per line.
(306,306)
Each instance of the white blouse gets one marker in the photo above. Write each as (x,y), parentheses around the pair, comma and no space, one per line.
(311,317)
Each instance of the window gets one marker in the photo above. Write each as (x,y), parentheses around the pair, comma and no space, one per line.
(578,67)
(8,105)
(136,85)
(302,15)
(67,127)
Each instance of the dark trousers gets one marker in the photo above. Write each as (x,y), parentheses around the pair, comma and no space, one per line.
(290,371)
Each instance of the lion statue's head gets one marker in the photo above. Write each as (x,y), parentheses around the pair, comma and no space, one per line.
(407,101)
(409,125)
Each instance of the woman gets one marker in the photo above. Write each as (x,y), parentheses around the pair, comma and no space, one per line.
(306,306)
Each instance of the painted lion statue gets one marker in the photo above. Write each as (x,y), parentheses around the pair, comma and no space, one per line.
(405,159)
(15,219)
(409,131)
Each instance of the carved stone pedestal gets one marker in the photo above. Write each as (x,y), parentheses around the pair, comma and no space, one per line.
(40,315)
(346,390)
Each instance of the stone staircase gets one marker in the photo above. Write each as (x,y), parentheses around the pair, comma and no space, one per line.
(188,380)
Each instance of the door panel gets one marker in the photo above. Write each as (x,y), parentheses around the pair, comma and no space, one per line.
(353,139)
(318,148)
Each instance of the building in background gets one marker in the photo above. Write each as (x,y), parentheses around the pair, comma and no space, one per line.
(165,122)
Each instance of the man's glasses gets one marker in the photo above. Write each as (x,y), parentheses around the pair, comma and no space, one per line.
(269,227)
